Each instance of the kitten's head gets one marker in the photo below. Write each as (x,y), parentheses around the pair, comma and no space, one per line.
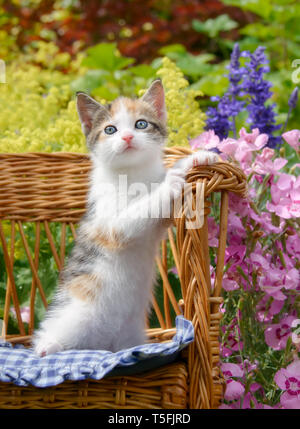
(128,131)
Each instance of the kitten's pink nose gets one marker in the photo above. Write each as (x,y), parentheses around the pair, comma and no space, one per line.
(128,138)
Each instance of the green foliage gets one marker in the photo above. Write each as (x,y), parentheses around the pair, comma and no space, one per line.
(105,56)
(185,119)
(193,66)
(175,284)
(47,269)
(139,29)
(213,27)
(198,69)
(108,74)
(267,9)
(38,112)
(273,24)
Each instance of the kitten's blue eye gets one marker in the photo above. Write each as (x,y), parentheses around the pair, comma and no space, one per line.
(141,124)
(110,129)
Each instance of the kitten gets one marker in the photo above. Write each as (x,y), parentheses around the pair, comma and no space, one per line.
(105,289)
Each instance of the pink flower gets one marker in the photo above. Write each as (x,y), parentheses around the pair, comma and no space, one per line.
(242,148)
(249,137)
(234,389)
(227,407)
(232,341)
(231,345)
(249,366)
(261,141)
(249,402)
(254,139)
(230,284)
(277,335)
(291,280)
(293,244)
(264,224)
(256,387)
(263,166)
(284,183)
(25,313)
(236,230)
(265,220)
(228,146)
(213,231)
(235,254)
(174,270)
(272,282)
(267,154)
(232,370)
(288,379)
(274,291)
(245,148)
(285,197)
(259,260)
(292,138)
(206,140)
(222,308)
(238,205)
(265,310)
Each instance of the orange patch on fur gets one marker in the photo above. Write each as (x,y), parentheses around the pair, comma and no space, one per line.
(102,135)
(137,107)
(113,242)
(130,105)
(84,287)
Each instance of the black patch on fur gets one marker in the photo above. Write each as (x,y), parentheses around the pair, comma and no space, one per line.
(159,128)
(82,255)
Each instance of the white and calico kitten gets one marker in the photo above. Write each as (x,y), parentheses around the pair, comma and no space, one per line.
(104,291)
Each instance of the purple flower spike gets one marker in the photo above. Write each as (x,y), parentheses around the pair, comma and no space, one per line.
(235,56)
(247,89)
(222,118)
(260,115)
(293,98)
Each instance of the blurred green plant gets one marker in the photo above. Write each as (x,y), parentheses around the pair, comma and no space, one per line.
(107,73)
(47,270)
(198,69)
(213,27)
(185,119)
(38,113)
(275,25)
(193,66)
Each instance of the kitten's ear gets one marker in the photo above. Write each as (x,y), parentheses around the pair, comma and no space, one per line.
(155,96)
(87,108)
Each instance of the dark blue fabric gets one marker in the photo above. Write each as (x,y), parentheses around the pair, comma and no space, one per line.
(22,367)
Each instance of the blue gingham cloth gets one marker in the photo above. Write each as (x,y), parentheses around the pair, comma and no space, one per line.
(22,367)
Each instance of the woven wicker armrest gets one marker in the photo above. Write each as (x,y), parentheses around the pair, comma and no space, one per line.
(49,189)
(201,298)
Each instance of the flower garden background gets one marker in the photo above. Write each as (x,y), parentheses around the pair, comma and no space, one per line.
(234,65)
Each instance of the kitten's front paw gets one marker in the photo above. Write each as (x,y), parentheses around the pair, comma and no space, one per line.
(46,346)
(174,182)
(202,157)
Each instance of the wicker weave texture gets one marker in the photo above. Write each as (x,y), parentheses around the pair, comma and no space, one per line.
(156,389)
(46,186)
(51,188)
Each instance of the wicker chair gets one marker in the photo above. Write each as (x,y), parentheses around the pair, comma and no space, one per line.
(51,188)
